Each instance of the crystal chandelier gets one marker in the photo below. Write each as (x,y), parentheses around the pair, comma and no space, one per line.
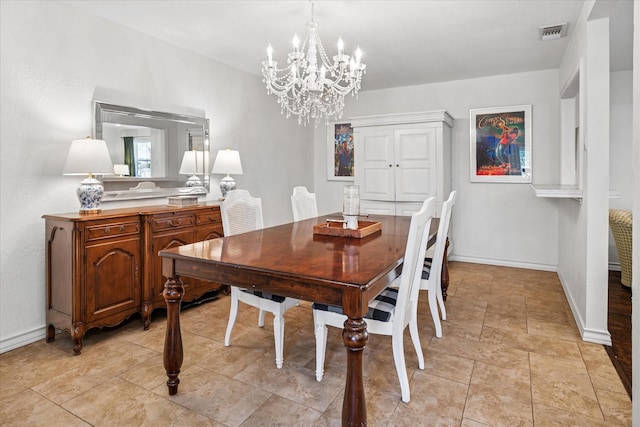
(313,88)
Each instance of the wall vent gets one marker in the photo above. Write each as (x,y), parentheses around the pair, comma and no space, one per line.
(552,32)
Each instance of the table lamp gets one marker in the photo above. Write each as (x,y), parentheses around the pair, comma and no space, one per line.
(89,157)
(193,163)
(227,162)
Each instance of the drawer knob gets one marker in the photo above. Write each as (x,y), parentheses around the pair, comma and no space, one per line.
(122,228)
(107,230)
(175,223)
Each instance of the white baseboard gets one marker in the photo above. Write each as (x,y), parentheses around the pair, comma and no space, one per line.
(504,263)
(21,339)
(615,266)
(589,335)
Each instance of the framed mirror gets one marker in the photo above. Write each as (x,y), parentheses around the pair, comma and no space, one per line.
(155,154)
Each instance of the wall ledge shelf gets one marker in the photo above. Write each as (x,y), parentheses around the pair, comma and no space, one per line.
(558,191)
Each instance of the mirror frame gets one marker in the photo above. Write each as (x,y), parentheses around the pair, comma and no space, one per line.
(146,188)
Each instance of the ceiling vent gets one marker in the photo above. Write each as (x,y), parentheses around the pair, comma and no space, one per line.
(552,32)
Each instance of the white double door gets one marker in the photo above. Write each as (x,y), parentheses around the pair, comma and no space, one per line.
(396,164)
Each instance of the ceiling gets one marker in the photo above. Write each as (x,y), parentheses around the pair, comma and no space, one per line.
(404,43)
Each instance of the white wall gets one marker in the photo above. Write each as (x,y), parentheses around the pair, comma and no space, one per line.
(54,61)
(501,224)
(621,147)
(583,253)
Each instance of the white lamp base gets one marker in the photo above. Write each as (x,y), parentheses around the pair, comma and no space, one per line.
(90,194)
(194,181)
(227,184)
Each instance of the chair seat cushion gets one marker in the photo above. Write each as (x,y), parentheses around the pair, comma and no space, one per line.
(426,268)
(380,308)
(265,295)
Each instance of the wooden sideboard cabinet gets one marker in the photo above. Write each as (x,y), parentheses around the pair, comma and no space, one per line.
(102,268)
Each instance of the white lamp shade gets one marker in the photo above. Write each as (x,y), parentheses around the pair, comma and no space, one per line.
(227,162)
(193,162)
(88,156)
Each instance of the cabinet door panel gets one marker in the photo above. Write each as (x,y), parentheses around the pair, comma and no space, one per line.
(415,158)
(374,164)
(112,279)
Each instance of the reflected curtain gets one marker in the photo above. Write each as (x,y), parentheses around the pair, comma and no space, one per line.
(129,158)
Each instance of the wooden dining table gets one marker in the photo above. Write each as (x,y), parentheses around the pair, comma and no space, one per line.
(290,260)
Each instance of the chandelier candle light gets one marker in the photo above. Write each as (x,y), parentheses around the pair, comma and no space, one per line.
(310,88)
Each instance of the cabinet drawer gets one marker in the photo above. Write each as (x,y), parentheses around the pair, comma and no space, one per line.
(113,229)
(173,222)
(208,217)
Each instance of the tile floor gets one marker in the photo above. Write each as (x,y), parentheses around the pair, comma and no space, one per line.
(510,355)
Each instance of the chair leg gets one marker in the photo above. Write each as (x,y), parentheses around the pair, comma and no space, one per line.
(401,367)
(415,338)
(261,318)
(433,306)
(321,347)
(233,313)
(278,334)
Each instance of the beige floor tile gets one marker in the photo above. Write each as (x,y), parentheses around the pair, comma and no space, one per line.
(551,417)
(616,409)
(93,367)
(292,382)
(603,374)
(434,401)
(499,396)
(278,411)
(471,423)
(448,366)
(493,354)
(118,402)
(532,343)
(28,408)
(553,330)
(563,384)
(225,400)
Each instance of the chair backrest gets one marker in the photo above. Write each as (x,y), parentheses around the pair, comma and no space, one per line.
(303,204)
(240,213)
(407,303)
(441,239)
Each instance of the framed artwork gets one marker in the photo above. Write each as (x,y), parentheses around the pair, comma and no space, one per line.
(340,152)
(500,144)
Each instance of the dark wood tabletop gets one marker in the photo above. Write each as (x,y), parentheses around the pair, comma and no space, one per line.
(290,260)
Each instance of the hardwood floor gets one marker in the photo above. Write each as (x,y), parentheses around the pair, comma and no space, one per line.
(619,322)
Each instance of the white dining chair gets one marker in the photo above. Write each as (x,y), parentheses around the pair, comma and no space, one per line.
(432,283)
(303,204)
(393,309)
(242,213)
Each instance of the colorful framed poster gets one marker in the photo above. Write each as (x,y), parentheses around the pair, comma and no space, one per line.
(340,152)
(500,144)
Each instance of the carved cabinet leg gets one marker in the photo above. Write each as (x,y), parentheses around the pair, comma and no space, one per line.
(172,359)
(77,332)
(51,333)
(355,338)
(146,315)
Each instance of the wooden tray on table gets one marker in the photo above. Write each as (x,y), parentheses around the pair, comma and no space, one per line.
(365,228)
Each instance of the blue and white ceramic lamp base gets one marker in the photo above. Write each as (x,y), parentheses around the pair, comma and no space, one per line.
(90,195)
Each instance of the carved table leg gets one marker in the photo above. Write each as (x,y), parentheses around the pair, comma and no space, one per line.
(445,271)
(354,407)
(172,358)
